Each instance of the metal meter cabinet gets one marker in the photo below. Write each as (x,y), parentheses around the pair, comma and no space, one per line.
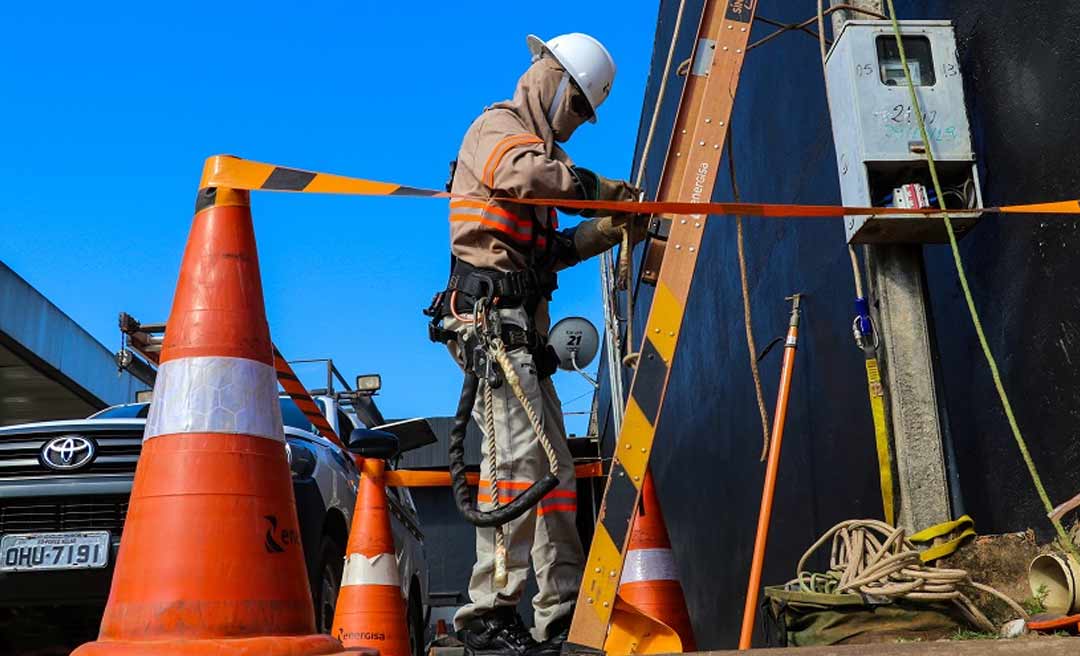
(878,145)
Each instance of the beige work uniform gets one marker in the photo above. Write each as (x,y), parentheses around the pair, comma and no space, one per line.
(510,151)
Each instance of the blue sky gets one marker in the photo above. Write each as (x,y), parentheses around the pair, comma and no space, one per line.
(109,110)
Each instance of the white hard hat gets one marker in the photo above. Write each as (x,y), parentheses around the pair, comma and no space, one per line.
(586,60)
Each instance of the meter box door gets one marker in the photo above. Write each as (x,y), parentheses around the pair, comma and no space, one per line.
(879,149)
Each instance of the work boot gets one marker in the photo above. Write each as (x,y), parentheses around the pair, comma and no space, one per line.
(558,631)
(497,633)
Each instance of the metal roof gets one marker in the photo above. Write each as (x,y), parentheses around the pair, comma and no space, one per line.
(50,367)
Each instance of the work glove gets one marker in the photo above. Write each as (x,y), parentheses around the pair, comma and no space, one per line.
(608,189)
(595,236)
(597,187)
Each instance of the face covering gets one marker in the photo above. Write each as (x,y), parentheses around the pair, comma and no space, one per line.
(569,109)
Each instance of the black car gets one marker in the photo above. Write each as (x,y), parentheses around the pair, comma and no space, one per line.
(64,489)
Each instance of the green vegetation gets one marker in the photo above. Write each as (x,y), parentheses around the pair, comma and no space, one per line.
(1036,603)
(968,634)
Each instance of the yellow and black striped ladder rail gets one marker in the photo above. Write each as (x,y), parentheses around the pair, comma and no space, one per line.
(690,168)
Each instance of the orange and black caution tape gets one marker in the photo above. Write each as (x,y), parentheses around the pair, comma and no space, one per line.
(302,398)
(226,171)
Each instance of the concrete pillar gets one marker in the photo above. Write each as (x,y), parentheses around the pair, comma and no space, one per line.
(898,291)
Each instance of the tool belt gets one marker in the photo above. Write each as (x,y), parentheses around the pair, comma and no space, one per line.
(505,289)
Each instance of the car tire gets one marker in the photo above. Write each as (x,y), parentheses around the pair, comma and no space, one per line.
(331,566)
(415,618)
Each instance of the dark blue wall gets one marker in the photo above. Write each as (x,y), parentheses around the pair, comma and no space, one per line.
(1022,86)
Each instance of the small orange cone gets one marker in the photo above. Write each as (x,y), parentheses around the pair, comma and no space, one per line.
(650,615)
(210,561)
(370,610)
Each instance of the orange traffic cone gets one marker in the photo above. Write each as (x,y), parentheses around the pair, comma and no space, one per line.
(650,615)
(370,610)
(210,561)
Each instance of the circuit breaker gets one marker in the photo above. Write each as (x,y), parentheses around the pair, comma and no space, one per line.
(879,149)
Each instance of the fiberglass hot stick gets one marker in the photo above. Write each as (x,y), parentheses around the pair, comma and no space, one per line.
(962,275)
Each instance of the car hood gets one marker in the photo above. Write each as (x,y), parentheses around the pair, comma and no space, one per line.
(81,425)
(94,425)
(101,425)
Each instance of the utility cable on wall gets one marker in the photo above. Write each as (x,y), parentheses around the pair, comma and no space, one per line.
(748,318)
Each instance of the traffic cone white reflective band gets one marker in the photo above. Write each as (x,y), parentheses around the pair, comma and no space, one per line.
(215,394)
(649,565)
(380,569)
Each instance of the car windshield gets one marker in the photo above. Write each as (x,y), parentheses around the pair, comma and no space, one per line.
(129,411)
(290,414)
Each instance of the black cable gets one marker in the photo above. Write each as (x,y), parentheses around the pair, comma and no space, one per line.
(460,487)
(769,347)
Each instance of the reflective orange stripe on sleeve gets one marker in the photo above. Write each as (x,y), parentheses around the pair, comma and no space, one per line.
(504,146)
(495,217)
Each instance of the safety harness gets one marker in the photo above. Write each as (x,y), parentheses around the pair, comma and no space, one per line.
(499,289)
(476,295)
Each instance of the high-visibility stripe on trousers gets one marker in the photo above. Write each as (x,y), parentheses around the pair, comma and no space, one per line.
(554,501)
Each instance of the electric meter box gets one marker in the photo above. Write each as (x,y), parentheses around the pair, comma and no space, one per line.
(879,149)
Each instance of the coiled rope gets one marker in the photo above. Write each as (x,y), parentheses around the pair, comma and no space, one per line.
(871,558)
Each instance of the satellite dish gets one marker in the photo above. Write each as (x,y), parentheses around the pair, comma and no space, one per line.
(575,341)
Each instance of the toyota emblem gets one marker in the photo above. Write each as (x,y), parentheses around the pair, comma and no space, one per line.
(67,452)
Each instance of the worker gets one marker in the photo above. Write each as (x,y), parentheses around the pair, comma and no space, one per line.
(509,253)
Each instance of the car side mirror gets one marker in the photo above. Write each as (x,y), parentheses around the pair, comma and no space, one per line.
(373,444)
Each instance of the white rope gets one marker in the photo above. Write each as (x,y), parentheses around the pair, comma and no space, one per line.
(872,558)
(501,573)
(498,351)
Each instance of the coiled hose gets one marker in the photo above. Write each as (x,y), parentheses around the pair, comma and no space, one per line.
(460,488)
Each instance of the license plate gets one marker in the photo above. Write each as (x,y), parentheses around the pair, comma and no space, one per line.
(45,551)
